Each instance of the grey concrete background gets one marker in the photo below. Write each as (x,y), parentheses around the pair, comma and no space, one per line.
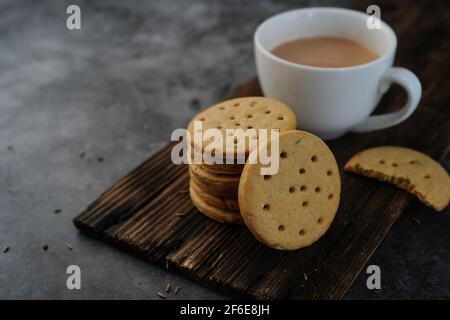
(116,89)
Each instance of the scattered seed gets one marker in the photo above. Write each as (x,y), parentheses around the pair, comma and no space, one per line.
(56,211)
(5,249)
(195,104)
(177,289)
(416,220)
(167,289)
(82,153)
(305,276)
(68,246)
(100,159)
(160,295)
(213,265)
(403,284)
(45,247)
(167,264)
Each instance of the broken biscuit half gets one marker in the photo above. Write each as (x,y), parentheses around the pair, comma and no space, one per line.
(408,169)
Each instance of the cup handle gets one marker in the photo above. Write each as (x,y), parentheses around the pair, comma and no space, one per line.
(411,84)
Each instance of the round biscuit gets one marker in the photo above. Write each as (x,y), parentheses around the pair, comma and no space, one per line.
(223,168)
(214,201)
(294,207)
(218,181)
(219,215)
(243,113)
(215,191)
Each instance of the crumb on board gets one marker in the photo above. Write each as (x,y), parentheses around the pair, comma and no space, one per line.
(179,214)
(416,220)
(161,295)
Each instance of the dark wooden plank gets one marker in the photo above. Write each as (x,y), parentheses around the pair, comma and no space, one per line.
(148,212)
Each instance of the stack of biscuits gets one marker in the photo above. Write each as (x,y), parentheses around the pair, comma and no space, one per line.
(295,205)
(214,185)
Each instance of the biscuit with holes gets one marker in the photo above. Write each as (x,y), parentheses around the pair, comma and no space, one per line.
(243,113)
(214,201)
(294,207)
(219,215)
(225,182)
(408,169)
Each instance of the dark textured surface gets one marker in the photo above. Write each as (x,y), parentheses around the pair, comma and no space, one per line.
(116,89)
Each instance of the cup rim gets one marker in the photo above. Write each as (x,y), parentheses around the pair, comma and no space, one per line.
(270,55)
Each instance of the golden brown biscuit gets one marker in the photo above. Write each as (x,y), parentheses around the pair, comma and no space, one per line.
(219,215)
(217,192)
(224,182)
(214,201)
(295,207)
(408,169)
(233,169)
(221,168)
(244,113)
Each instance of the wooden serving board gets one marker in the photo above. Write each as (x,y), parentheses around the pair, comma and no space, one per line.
(148,212)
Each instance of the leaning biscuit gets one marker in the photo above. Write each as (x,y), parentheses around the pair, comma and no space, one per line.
(294,207)
(243,113)
(219,215)
(214,201)
(408,169)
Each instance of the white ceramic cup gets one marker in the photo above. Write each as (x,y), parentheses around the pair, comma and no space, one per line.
(332,101)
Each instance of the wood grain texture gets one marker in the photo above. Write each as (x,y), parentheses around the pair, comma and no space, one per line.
(148,212)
